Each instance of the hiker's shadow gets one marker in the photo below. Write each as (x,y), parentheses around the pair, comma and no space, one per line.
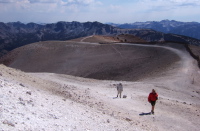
(142,114)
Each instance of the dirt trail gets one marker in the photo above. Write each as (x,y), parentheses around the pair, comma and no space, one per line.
(84,38)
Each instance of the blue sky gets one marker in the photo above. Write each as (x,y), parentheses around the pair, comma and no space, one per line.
(116,11)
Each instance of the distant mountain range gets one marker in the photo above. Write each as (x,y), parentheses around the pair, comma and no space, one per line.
(16,34)
(191,29)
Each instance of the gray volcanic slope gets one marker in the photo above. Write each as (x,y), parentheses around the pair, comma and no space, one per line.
(98,61)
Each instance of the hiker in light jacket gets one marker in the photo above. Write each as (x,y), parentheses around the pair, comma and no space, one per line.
(119,89)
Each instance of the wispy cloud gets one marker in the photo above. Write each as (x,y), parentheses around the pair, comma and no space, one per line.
(42,1)
(7,1)
(29,1)
(186,2)
(81,2)
(99,10)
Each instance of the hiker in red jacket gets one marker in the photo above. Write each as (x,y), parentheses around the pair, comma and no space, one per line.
(153,96)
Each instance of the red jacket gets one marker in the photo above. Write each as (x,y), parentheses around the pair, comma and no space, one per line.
(153,97)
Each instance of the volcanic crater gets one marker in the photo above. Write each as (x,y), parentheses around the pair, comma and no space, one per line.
(110,61)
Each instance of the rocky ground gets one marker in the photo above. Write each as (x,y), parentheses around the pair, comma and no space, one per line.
(52,101)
